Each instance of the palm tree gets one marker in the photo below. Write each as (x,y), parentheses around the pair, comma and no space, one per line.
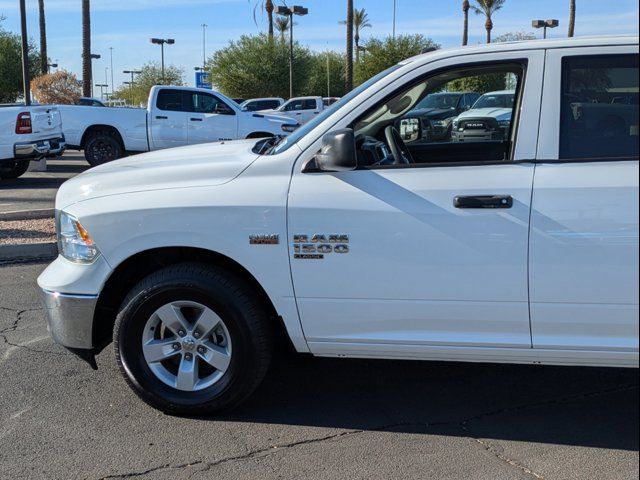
(465,28)
(348,84)
(282,25)
(360,21)
(43,40)
(488,8)
(86,48)
(268,7)
(572,17)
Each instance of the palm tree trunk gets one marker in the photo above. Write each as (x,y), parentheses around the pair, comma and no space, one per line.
(268,5)
(465,28)
(86,48)
(349,63)
(357,43)
(44,60)
(572,17)
(489,26)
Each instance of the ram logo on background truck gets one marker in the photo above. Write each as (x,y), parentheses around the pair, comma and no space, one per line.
(175,116)
(349,242)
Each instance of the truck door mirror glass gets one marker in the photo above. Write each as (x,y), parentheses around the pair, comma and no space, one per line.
(338,151)
(409,129)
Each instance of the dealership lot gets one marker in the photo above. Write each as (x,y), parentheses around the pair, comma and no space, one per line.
(312,418)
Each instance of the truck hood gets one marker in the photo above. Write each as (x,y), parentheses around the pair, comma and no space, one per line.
(193,166)
(274,116)
(497,113)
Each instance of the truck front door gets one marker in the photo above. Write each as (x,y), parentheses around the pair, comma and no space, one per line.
(210,119)
(407,259)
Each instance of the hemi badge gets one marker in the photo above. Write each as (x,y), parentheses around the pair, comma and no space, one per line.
(264,239)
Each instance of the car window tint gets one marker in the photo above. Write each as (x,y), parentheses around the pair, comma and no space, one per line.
(295,105)
(599,109)
(203,103)
(170,100)
(309,104)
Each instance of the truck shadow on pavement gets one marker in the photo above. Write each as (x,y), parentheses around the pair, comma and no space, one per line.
(591,407)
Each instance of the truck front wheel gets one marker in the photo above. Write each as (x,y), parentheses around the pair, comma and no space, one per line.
(101,147)
(191,339)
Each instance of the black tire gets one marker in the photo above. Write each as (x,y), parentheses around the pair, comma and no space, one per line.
(102,147)
(14,169)
(244,316)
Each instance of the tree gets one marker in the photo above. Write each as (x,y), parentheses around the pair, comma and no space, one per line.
(360,21)
(515,37)
(382,54)
(282,25)
(60,88)
(44,59)
(267,5)
(489,82)
(11,65)
(488,8)
(86,48)
(465,27)
(151,75)
(348,82)
(316,84)
(572,17)
(255,66)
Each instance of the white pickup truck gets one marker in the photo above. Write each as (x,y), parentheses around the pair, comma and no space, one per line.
(302,109)
(28,133)
(347,242)
(175,116)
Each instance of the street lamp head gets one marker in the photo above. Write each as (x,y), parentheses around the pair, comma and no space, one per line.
(298,10)
(170,41)
(157,41)
(552,23)
(538,23)
(54,65)
(282,10)
(95,56)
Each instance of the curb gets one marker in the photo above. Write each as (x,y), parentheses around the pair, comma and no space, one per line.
(27,215)
(28,251)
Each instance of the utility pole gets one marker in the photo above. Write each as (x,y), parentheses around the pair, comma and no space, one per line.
(290,12)
(394,19)
(328,76)
(204,44)
(26,82)
(112,84)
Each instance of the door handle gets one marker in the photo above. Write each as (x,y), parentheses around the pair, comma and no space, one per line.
(483,201)
(196,119)
(161,117)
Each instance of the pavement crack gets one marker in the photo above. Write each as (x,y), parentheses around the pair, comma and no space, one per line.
(152,470)
(14,326)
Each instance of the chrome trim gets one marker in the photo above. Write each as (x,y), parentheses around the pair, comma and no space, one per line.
(39,148)
(70,318)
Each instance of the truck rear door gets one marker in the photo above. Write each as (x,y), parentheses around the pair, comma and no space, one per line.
(584,220)
(168,119)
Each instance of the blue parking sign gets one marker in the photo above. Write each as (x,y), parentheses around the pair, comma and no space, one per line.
(202,80)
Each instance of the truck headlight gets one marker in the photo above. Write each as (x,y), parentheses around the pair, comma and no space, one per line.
(290,127)
(74,243)
(439,123)
(504,123)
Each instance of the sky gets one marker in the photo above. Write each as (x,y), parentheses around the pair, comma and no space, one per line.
(127,25)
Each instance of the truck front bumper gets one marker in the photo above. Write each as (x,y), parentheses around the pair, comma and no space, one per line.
(70,318)
(39,148)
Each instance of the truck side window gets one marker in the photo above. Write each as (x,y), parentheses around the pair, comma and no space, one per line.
(599,110)
(170,100)
(295,105)
(309,104)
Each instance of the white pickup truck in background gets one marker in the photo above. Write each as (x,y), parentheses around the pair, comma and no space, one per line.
(28,133)
(301,109)
(175,116)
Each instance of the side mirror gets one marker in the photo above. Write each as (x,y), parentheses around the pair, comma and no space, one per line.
(338,152)
(410,129)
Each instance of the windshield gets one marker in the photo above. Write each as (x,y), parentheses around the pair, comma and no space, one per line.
(286,142)
(495,100)
(439,100)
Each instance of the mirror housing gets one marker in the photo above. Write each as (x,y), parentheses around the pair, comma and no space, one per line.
(338,152)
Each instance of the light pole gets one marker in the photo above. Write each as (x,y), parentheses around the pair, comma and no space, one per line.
(112,84)
(102,86)
(394,19)
(26,83)
(544,24)
(161,42)
(290,12)
(49,65)
(93,56)
(204,44)
(132,73)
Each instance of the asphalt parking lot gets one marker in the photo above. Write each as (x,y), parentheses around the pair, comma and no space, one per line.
(312,418)
(37,190)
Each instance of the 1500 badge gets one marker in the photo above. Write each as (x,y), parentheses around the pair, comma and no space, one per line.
(315,247)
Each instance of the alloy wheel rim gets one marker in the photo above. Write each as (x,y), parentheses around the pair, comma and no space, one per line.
(186,345)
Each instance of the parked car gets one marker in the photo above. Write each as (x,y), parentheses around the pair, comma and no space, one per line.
(90,102)
(175,116)
(328,101)
(255,104)
(434,114)
(345,241)
(28,133)
(488,119)
(302,109)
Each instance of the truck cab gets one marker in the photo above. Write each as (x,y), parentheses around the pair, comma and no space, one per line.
(302,109)
(345,241)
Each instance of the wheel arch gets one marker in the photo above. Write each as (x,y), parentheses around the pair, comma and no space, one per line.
(133,269)
(110,129)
